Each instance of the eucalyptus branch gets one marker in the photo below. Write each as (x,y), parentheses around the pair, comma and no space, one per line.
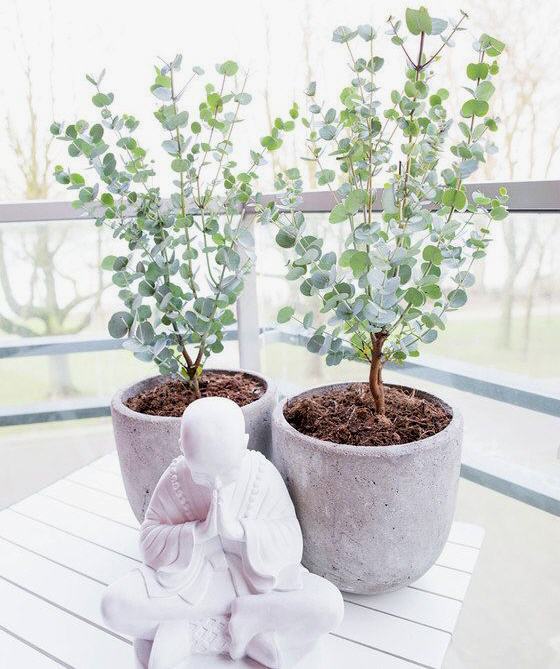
(179,141)
(410,60)
(386,287)
(177,279)
(447,40)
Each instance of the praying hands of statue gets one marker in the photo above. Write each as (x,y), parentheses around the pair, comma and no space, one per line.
(218,522)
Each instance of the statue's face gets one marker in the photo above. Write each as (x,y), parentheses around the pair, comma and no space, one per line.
(214,472)
(213,441)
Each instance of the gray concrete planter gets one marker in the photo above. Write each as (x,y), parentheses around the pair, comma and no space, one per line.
(374,519)
(147,444)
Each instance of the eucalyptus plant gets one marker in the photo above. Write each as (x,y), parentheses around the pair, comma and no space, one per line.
(186,252)
(412,242)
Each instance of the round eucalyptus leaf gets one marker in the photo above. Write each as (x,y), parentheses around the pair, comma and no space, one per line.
(327,132)
(338,214)
(145,333)
(108,262)
(285,239)
(228,69)
(366,32)
(457,298)
(146,289)
(414,297)
(285,314)
(432,254)
(343,34)
(119,324)
(430,336)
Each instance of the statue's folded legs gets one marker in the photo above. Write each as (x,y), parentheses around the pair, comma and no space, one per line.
(275,628)
(295,620)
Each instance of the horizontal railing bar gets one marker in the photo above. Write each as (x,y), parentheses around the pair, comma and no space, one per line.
(61,345)
(439,372)
(508,394)
(66,344)
(524,197)
(49,412)
(510,489)
(501,392)
(30,211)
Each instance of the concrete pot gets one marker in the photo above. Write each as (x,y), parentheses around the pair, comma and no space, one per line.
(147,444)
(374,519)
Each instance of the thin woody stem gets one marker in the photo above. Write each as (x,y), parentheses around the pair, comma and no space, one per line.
(375,372)
(442,47)
(390,21)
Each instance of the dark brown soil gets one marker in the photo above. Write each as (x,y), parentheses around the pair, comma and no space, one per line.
(347,416)
(172,397)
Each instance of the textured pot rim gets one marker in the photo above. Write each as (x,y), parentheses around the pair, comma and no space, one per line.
(119,406)
(391,450)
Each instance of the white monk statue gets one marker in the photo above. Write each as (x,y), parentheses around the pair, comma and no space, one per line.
(222,549)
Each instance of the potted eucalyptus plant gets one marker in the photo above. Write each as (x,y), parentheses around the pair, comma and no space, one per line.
(184,258)
(373,468)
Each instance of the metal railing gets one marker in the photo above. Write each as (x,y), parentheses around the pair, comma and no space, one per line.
(525,197)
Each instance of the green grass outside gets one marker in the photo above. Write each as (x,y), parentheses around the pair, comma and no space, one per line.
(477,342)
(471,341)
(28,380)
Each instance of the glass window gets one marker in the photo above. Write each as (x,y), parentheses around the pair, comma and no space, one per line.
(283,46)
(512,320)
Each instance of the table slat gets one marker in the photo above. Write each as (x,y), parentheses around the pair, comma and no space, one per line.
(96,562)
(123,540)
(97,502)
(108,463)
(394,635)
(445,582)
(462,558)
(59,633)
(99,480)
(52,582)
(17,654)
(467,534)
(416,605)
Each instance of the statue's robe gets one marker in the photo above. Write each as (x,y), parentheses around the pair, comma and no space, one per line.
(276,610)
(268,558)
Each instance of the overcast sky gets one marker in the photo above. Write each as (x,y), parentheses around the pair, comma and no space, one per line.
(65,39)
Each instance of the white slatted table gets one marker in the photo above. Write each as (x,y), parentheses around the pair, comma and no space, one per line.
(60,547)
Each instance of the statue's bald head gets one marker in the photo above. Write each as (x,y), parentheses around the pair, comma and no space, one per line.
(213,439)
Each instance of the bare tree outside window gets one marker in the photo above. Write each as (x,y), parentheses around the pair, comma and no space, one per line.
(54,304)
(527,104)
